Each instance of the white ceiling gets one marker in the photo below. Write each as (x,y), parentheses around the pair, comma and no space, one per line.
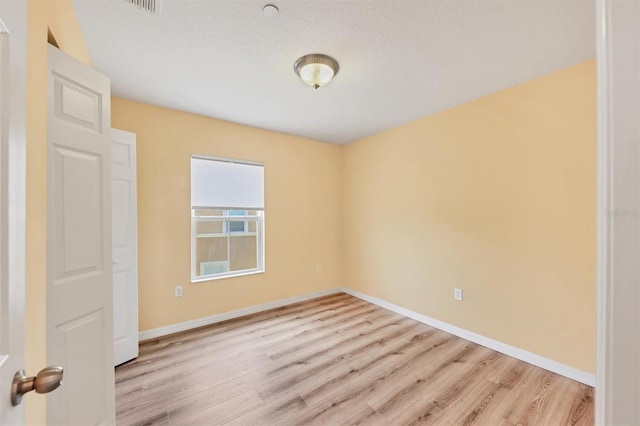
(399,59)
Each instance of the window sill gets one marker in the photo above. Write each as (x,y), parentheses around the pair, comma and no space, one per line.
(227,275)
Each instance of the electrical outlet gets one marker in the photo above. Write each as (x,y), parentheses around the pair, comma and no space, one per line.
(457,294)
(318,268)
(178,291)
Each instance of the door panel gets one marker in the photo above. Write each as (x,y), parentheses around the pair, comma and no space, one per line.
(120,194)
(76,104)
(121,312)
(79,272)
(80,335)
(125,251)
(78,233)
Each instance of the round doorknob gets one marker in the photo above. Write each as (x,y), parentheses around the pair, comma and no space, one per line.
(47,380)
(116,261)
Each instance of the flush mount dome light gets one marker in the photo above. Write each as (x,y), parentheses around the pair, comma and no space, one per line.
(316,69)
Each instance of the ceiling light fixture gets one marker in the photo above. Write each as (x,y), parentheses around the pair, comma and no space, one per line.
(316,69)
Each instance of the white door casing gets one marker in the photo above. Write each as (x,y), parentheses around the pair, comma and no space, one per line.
(79,272)
(618,325)
(13,27)
(125,245)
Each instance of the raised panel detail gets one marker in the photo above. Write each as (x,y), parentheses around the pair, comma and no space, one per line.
(78,212)
(120,193)
(77,105)
(79,338)
(120,154)
(121,306)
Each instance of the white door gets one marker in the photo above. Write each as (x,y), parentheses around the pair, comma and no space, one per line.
(79,272)
(125,245)
(12,179)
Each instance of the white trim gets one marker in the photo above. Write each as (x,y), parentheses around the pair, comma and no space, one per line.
(5,121)
(521,354)
(225,235)
(618,180)
(225,275)
(223,218)
(602,403)
(12,205)
(188,325)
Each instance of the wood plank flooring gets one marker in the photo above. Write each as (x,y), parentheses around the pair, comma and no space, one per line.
(337,360)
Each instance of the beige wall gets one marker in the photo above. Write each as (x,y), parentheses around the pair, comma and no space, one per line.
(58,17)
(496,197)
(303,217)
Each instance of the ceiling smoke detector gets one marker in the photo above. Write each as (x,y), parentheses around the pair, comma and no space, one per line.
(151,6)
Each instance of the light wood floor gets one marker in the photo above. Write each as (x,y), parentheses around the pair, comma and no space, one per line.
(338,360)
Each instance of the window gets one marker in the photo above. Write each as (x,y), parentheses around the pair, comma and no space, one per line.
(227,218)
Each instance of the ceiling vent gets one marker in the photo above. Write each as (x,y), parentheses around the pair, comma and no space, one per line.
(151,6)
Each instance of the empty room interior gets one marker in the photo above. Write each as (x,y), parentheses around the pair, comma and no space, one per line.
(330,212)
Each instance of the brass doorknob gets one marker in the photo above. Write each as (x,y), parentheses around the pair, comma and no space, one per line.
(47,380)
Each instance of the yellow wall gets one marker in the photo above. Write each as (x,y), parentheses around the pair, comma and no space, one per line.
(303,217)
(59,17)
(496,197)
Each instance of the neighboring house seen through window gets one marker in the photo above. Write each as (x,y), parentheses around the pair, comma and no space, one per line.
(238,225)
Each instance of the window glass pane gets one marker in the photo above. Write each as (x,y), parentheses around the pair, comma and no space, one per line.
(211,255)
(236,226)
(205,227)
(224,245)
(243,251)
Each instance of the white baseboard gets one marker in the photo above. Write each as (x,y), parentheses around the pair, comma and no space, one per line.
(188,325)
(521,354)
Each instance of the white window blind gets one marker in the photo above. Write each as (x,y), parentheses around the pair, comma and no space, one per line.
(225,184)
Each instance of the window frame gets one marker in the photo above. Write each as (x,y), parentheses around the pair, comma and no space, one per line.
(226,218)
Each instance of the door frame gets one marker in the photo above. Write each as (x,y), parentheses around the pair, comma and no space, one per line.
(618,213)
(13,169)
